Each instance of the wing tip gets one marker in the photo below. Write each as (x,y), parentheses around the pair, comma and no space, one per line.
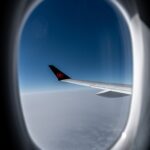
(59,74)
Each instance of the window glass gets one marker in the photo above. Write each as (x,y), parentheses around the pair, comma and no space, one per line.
(88,41)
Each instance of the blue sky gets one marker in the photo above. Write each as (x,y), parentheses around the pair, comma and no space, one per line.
(86,39)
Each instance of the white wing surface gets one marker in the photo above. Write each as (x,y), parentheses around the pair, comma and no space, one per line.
(107,89)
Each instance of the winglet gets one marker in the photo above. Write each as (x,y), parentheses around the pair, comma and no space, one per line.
(59,74)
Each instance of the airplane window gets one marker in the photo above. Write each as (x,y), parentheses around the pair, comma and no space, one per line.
(75,74)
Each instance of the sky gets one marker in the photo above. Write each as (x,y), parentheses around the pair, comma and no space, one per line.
(87,40)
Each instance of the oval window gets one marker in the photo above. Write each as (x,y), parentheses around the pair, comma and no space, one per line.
(75,74)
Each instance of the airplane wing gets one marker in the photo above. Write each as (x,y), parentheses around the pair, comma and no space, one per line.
(107,90)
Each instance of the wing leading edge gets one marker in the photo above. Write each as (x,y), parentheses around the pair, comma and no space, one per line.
(107,90)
